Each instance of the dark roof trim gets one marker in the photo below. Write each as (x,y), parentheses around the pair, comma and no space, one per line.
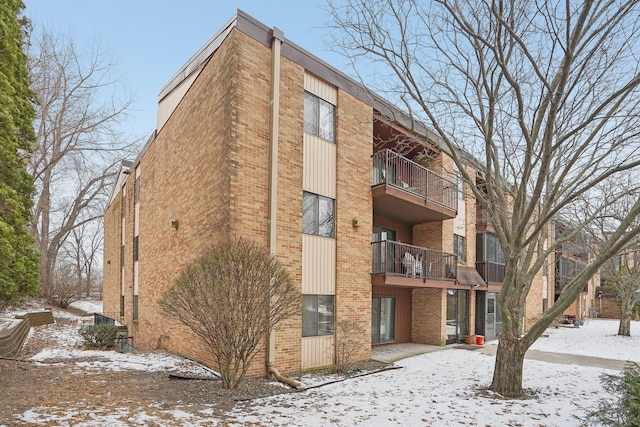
(263,34)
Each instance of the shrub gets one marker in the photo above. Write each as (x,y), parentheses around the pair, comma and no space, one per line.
(99,335)
(233,297)
(347,336)
(625,410)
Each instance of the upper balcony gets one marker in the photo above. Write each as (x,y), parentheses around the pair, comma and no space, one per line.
(409,192)
(491,272)
(483,219)
(400,264)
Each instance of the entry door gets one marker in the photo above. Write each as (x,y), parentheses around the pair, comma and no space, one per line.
(457,315)
(490,332)
(383,315)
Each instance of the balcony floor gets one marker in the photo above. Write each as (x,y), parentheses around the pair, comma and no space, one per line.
(402,281)
(396,203)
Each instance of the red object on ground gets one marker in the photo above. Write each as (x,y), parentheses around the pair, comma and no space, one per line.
(479,339)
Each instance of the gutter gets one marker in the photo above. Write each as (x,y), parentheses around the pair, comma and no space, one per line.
(277,37)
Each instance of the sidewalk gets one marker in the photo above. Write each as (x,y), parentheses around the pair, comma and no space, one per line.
(395,352)
(562,358)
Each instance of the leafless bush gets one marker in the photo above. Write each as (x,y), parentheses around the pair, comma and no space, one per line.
(232,297)
(347,334)
(64,288)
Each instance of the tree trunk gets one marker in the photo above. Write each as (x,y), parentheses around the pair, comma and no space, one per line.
(507,374)
(624,328)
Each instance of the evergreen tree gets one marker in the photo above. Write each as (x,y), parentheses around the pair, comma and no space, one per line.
(18,258)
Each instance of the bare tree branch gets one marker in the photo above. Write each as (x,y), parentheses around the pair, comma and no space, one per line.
(78,141)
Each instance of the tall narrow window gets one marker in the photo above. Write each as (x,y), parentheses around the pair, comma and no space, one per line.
(135,249)
(317,317)
(458,246)
(121,305)
(123,211)
(136,191)
(460,186)
(319,117)
(135,307)
(318,215)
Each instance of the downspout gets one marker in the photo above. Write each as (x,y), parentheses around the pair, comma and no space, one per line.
(277,37)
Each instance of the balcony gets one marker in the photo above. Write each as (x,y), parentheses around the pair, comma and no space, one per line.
(491,272)
(409,192)
(483,220)
(400,264)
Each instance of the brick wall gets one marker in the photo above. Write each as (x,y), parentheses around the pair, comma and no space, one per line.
(111,258)
(185,177)
(429,311)
(353,267)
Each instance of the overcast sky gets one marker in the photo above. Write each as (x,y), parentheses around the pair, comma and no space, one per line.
(151,40)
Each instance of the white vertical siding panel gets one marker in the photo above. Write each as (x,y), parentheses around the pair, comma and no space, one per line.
(136,219)
(135,278)
(317,351)
(320,88)
(319,166)
(318,265)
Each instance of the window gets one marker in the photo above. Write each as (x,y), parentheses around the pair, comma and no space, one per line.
(317,317)
(123,208)
(135,307)
(121,305)
(136,191)
(458,246)
(121,256)
(319,117)
(488,248)
(460,186)
(318,215)
(135,249)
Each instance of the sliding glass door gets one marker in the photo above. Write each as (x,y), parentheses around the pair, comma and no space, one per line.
(383,313)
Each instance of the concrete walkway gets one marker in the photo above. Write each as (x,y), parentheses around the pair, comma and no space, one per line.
(395,352)
(563,358)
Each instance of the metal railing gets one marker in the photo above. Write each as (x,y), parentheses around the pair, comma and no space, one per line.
(397,171)
(104,319)
(482,216)
(394,258)
(491,272)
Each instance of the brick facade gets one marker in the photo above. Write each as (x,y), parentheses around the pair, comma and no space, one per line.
(208,169)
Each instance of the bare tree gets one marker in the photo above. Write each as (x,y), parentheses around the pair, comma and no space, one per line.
(78,144)
(545,94)
(82,250)
(622,276)
(232,297)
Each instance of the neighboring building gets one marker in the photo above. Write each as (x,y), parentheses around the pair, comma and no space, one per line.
(606,303)
(608,296)
(258,138)
(571,258)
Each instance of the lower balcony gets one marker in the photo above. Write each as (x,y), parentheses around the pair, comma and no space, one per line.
(400,264)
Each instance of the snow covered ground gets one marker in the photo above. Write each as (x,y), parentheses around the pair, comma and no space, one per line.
(443,388)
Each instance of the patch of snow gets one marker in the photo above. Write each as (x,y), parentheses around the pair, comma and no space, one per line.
(597,338)
(445,387)
(88,305)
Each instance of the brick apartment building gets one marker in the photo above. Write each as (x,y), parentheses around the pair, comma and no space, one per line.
(259,138)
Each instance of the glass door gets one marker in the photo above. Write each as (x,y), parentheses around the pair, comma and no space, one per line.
(463,313)
(383,314)
(452,316)
(491,317)
(457,315)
